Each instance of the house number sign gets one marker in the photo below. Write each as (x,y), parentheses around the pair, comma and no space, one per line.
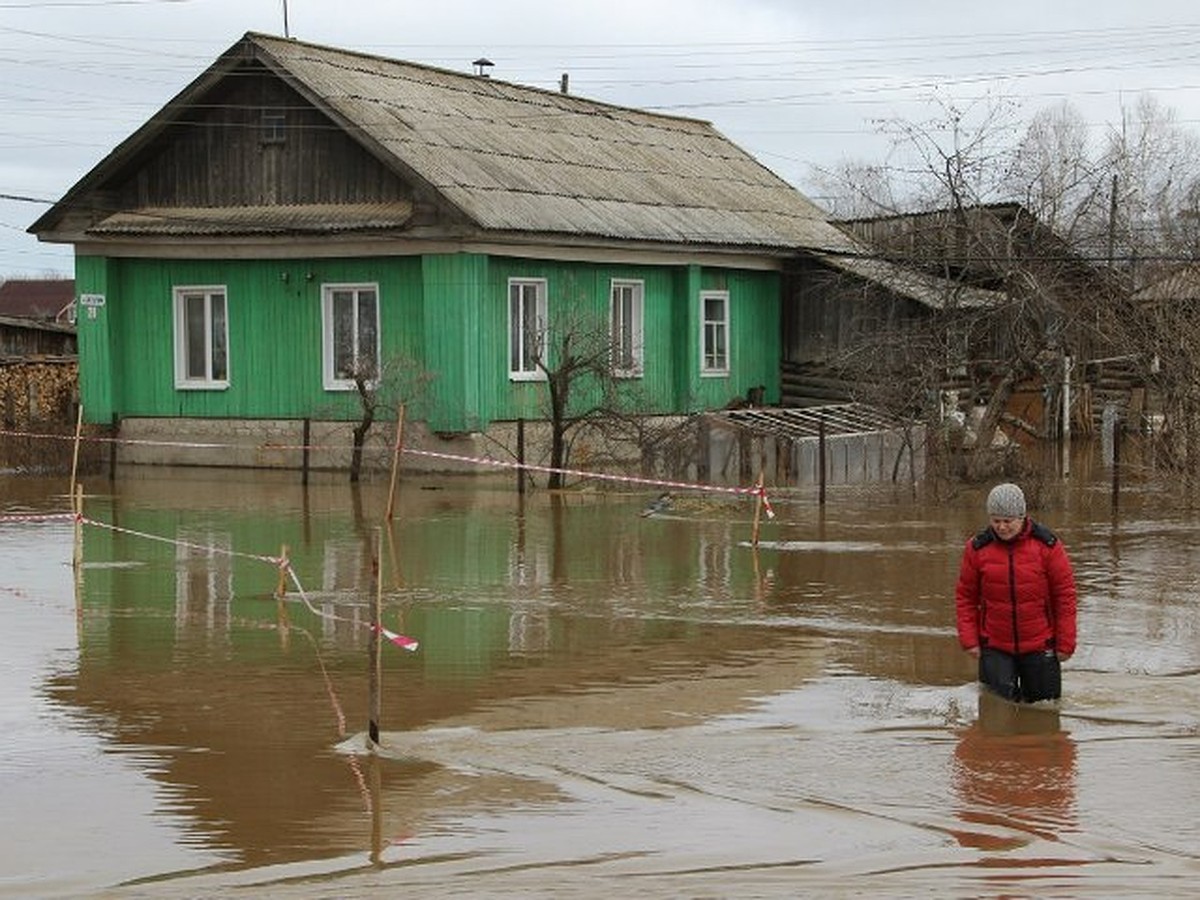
(91,302)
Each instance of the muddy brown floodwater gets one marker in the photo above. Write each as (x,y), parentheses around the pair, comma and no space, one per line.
(601,704)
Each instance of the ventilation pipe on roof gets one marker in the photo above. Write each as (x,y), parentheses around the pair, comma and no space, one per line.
(483,66)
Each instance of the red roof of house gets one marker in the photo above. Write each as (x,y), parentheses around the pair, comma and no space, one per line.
(42,298)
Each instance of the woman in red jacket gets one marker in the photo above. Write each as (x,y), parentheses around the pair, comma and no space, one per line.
(1015,601)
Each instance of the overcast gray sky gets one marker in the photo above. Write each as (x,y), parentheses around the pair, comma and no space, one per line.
(798,83)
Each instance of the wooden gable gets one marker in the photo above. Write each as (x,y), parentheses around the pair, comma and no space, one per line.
(253,141)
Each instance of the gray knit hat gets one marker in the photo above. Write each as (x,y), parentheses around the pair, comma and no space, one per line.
(1006,501)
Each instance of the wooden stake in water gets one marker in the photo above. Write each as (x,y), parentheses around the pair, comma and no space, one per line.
(396,462)
(375,647)
(75,454)
(758,504)
(281,585)
(77,508)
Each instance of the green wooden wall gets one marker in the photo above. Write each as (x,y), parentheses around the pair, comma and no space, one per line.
(443,322)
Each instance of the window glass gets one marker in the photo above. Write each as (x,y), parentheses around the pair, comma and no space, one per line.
(201,338)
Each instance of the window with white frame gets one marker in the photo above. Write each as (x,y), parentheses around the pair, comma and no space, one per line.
(350,334)
(526,328)
(201,338)
(714,336)
(626,328)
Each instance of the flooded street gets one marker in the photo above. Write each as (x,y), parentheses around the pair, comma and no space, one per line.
(602,703)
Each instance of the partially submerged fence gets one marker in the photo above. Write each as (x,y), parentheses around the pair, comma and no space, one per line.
(835,444)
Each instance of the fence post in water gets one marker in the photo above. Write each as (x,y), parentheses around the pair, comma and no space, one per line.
(77,507)
(305,438)
(75,451)
(281,585)
(375,646)
(1116,465)
(758,503)
(395,462)
(520,456)
(821,460)
(112,447)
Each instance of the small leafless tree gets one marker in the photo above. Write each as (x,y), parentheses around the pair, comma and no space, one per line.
(399,382)
(575,357)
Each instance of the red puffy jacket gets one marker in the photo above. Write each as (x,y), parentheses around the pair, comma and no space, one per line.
(1017,596)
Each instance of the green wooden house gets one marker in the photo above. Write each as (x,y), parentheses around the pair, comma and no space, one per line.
(300,215)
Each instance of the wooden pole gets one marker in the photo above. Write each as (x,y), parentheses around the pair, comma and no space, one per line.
(375,788)
(281,586)
(758,498)
(77,507)
(374,648)
(394,556)
(396,462)
(1116,465)
(75,453)
(521,457)
(77,561)
(1066,417)
(112,447)
(821,460)
(305,440)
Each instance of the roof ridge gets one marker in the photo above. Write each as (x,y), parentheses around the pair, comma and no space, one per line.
(261,38)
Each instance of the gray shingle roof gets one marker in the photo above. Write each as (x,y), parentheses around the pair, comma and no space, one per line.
(515,158)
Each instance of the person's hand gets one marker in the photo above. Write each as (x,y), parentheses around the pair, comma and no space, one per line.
(1063,657)
(973,651)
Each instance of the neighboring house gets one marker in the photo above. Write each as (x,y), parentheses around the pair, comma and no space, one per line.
(299,215)
(1005,250)
(41,299)
(1167,334)
(38,371)
(35,318)
(1002,247)
(836,306)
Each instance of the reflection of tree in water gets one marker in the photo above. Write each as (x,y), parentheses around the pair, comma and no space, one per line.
(1014,771)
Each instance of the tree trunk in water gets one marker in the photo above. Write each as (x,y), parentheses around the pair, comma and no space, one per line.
(360,434)
(558,428)
(360,431)
(978,464)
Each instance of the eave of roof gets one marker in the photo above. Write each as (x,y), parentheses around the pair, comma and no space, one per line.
(929,291)
(318,218)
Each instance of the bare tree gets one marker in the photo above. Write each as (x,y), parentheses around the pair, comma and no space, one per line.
(1154,171)
(400,381)
(962,176)
(575,356)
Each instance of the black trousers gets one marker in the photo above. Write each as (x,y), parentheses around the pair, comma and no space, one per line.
(1024,678)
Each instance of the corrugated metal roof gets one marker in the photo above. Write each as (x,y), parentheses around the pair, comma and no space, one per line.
(1182,284)
(836,419)
(317,218)
(515,158)
(932,292)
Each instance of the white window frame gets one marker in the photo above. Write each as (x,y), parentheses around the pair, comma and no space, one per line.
(184,379)
(519,349)
(332,380)
(714,363)
(627,361)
